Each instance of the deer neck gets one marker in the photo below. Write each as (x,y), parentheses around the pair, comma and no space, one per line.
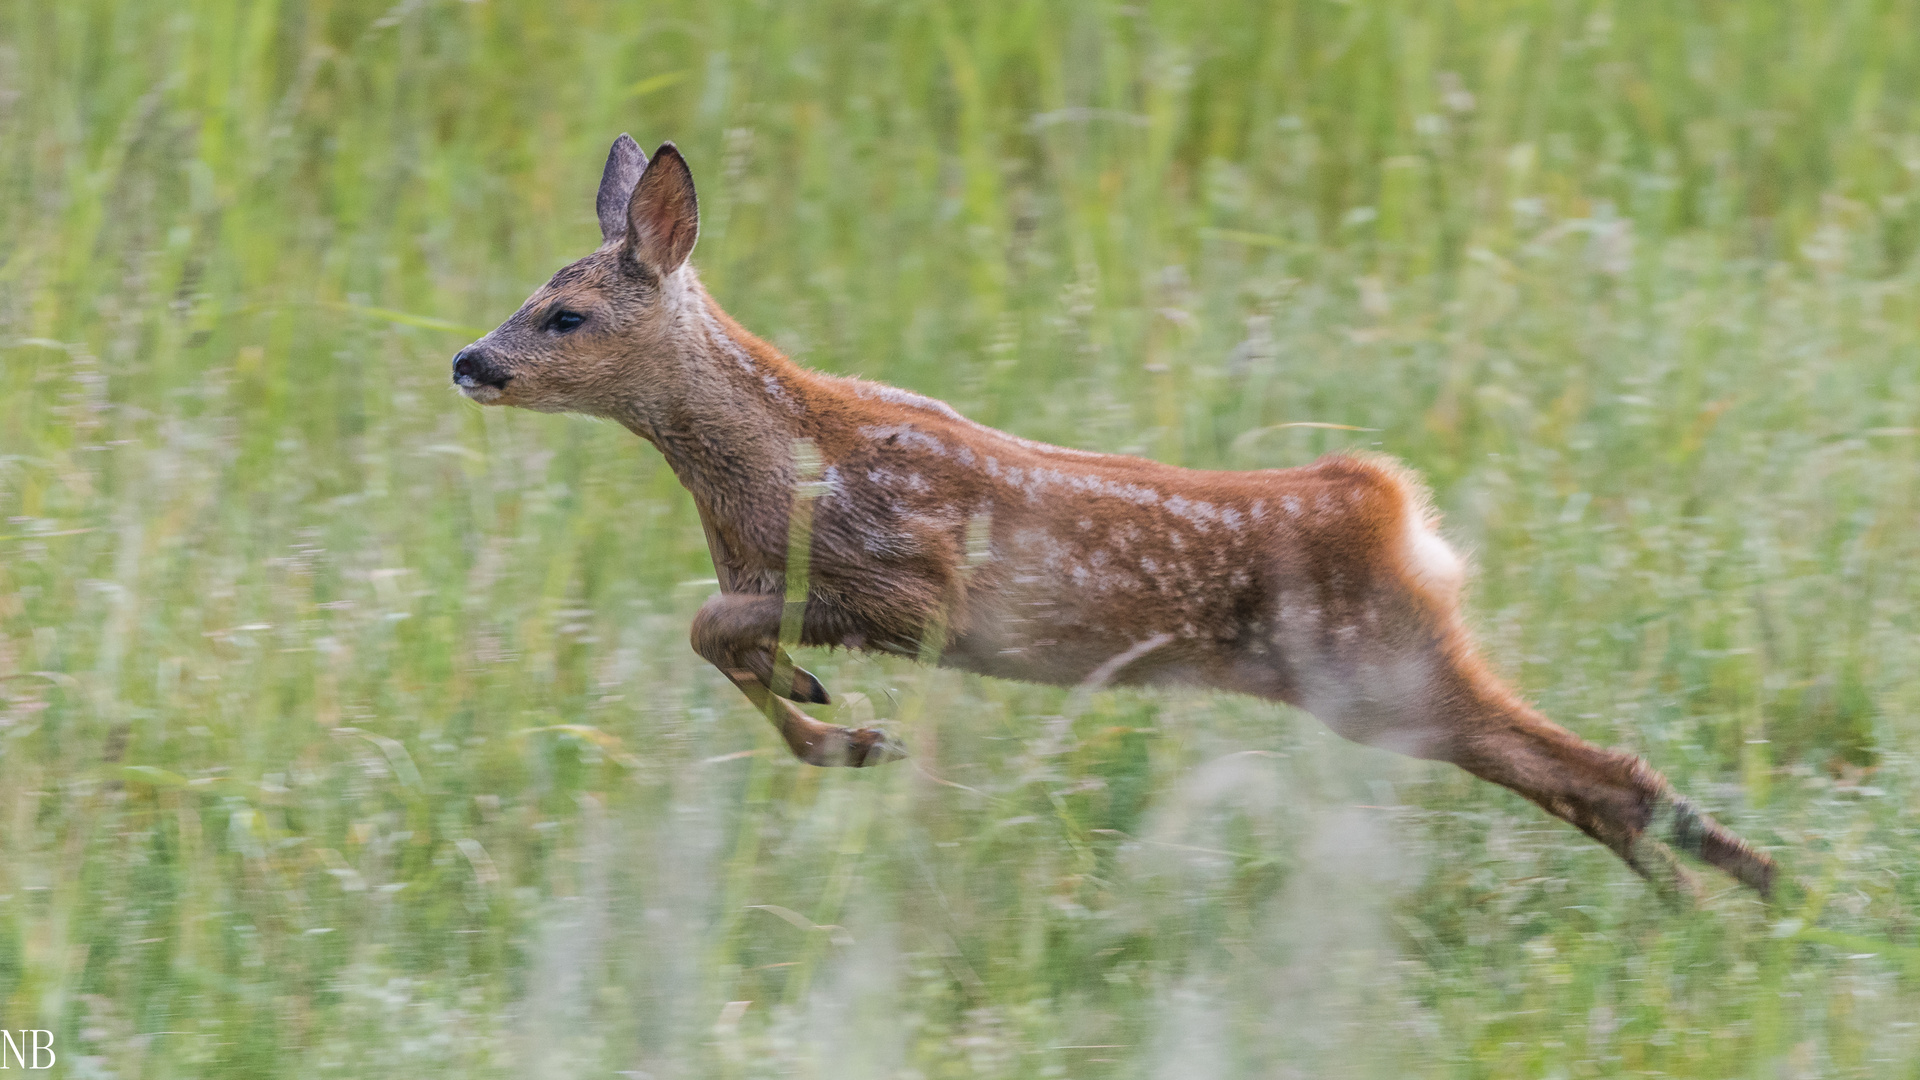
(726,424)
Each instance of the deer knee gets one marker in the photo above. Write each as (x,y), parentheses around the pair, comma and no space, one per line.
(740,635)
(706,639)
(729,629)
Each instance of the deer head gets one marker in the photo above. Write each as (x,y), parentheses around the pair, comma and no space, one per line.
(600,336)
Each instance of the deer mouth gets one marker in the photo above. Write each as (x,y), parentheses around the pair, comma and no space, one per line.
(486,393)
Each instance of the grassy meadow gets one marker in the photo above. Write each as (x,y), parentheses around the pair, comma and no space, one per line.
(349,730)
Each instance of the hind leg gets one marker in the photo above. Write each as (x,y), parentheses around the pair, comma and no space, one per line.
(1461,714)
(1614,797)
(1368,638)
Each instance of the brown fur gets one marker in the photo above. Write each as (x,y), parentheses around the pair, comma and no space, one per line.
(1325,587)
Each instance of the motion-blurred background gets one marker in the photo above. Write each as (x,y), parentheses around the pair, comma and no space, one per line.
(349,730)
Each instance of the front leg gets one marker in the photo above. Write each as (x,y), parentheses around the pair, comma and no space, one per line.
(739,633)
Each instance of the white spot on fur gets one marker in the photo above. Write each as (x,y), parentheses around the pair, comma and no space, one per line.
(894,395)
(1199,514)
(938,519)
(903,435)
(725,340)
(779,393)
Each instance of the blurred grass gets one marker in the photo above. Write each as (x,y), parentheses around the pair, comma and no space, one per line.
(346,729)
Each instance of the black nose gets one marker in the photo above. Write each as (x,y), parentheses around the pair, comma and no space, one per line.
(472,367)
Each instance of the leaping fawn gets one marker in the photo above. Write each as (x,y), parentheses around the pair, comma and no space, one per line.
(1326,587)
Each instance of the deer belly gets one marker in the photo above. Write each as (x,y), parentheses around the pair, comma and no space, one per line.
(1073,633)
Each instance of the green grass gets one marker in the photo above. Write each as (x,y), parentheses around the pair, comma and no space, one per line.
(349,730)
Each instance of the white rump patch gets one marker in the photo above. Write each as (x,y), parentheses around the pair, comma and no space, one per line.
(1433,564)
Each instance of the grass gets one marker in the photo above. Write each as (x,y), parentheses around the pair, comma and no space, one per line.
(346,729)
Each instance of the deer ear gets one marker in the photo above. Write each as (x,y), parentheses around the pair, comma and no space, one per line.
(625,163)
(663,217)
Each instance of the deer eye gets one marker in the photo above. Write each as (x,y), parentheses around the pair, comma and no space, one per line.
(563,320)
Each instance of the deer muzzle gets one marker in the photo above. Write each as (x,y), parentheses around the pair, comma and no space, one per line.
(478,374)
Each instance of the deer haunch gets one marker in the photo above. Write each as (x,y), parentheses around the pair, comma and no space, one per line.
(1327,587)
